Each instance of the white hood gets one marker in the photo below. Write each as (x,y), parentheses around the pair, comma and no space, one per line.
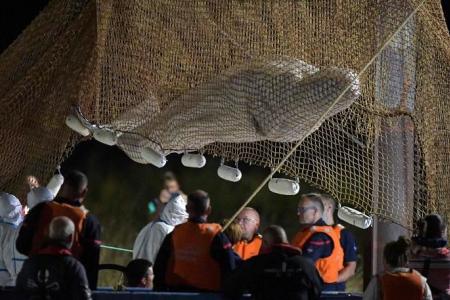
(174,212)
(10,209)
(151,237)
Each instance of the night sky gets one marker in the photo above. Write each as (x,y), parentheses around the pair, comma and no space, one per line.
(15,15)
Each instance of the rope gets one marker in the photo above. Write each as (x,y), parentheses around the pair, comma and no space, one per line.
(116,248)
(321,119)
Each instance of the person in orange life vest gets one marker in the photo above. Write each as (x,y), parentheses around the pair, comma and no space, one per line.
(318,241)
(69,203)
(196,255)
(251,241)
(430,255)
(347,242)
(398,281)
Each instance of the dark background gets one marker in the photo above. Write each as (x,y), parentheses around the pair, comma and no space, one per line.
(119,189)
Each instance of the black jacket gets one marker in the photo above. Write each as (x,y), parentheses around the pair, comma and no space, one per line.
(53,274)
(89,239)
(281,274)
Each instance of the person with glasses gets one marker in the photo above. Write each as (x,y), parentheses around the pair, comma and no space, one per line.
(251,241)
(318,241)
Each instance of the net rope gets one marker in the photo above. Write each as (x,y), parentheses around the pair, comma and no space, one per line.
(286,85)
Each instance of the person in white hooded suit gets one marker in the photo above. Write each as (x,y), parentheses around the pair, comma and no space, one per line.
(150,238)
(11,218)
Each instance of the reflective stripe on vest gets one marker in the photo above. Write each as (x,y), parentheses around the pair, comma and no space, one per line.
(191,264)
(330,266)
(247,250)
(51,210)
(401,285)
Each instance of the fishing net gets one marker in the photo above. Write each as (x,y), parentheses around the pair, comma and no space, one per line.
(362,84)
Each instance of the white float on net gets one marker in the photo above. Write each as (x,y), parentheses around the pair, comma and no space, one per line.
(193,160)
(74,123)
(229,173)
(55,184)
(354,217)
(153,157)
(105,135)
(284,186)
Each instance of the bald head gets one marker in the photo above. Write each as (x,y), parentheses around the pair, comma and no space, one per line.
(251,212)
(198,204)
(329,206)
(275,234)
(248,219)
(74,186)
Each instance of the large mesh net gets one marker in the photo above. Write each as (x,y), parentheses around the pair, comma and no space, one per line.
(362,84)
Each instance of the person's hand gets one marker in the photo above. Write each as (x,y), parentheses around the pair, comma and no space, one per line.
(25,210)
(32,181)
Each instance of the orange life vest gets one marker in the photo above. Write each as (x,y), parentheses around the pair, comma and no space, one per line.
(190,263)
(401,285)
(248,249)
(54,209)
(330,266)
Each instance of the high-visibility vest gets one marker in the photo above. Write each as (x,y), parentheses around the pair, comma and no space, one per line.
(246,249)
(401,285)
(54,209)
(330,266)
(190,263)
